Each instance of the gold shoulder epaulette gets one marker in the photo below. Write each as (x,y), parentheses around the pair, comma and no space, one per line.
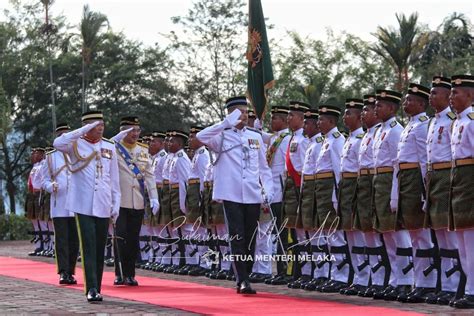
(319,139)
(393,124)
(142,144)
(336,134)
(451,115)
(423,118)
(108,140)
(361,135)
(471,115)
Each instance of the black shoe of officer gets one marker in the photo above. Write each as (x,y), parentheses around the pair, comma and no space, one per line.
(118,280)
(354,289)
(245,288)
(71,279)
(380,295)
(371,290)
(420,294)
(63,278)
(94,296)
(442,298)
(130,281)
(466,302)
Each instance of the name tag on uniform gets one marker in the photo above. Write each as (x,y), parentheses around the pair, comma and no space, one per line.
(293,147)
(106,153)
(254,144)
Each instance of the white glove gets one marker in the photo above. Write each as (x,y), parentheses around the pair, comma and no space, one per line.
(86,128)
(117,138)
(155,205)
(114,214)
(257,124)
(393,205)
(233,118)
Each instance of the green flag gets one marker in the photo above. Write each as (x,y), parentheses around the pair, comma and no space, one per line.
(259,73)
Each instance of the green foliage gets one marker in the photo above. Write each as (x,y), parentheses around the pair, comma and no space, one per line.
(14,227)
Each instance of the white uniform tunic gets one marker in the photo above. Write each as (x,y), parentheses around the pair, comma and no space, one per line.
(179,173)
(312,154)
(438,143)
(298,145)
(54,170)
(350,151)
(241,166)
(94,190)
(158,165)
(198,166)
(278,164)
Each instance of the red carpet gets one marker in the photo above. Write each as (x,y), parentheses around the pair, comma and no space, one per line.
(193,297)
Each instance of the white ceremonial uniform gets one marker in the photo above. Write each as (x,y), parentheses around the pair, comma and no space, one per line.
(329,159)
(372,239)
(180,168)
(165,176)
(385,145)
(298,145)
(37,182)
(34,184)
(438,148)
(244,150)
(54,171)
(309,168)
(98,181)
(278,164)
(462,146)
(355,238)
(412,148)
(158,164)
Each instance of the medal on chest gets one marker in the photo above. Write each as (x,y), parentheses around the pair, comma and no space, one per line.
(461,128)
(293,147)
(383,135)
(440,132)
(254,144)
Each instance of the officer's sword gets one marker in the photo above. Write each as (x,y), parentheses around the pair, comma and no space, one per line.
(116,246)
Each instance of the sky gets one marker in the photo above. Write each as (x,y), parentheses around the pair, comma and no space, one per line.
(144,20)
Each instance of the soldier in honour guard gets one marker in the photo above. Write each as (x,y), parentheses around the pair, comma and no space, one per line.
(277,145)
(136,179)
(32,201)
(56,178)
(346,202)
(318,270)
(194,194)
(327,176)
(294,159)
(364,208)
(385,195)
(461,193)
(158,154)
(411,160)
(94,174)
(242,180)
(180,167)
(165,217)
(439,162)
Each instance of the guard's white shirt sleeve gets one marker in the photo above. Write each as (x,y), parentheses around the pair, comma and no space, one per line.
(183,167)
(394,139)
(115,183)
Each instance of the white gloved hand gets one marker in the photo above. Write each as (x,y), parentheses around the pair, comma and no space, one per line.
(257,124)
(393,205)
(155,205)
(117,138)
(233,118)
(86,128)
(114,214)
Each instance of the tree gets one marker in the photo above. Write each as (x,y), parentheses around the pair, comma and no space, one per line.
(399,47)
(448,50)
(92,23)
(211,65)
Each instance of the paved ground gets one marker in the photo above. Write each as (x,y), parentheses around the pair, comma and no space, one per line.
(26,297)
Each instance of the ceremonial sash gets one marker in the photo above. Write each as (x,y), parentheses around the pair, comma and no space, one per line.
(133,167)
(273,148)
(291,169)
